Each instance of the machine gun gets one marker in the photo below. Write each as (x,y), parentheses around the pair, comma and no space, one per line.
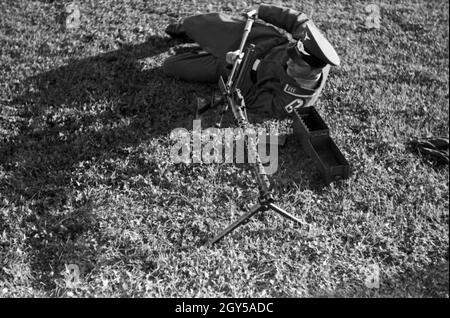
(232,99)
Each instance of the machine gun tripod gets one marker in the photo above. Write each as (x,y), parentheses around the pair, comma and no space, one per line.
(232,98)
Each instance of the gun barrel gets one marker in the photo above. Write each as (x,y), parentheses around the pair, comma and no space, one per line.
(237,63)
(245,66)
(231,91)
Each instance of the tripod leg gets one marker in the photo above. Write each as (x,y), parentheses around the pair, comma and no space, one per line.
(284,213)
(237,223)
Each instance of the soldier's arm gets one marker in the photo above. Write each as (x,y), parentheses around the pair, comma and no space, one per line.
(268,103)
(290,20)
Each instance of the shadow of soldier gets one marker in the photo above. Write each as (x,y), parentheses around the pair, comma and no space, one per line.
(88,111)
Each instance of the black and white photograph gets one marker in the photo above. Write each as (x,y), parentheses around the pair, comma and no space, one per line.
(224,155)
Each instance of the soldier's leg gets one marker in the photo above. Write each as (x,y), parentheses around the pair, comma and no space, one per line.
(219,33)
(195,67)
(216,33)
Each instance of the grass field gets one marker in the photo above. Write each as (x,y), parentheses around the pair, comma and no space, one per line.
(85,178)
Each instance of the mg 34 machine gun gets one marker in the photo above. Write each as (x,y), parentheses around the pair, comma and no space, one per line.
(308,126)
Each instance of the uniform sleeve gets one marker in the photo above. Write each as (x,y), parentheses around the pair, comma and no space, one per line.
(290,20)
(268,103)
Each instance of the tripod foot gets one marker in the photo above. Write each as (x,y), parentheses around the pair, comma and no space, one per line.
(285,214)
(254,209)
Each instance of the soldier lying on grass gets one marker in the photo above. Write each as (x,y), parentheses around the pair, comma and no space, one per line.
(284,69)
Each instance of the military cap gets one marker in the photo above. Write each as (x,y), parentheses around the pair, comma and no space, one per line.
(313,48)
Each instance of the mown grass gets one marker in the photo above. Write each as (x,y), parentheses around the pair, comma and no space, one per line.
(85,178)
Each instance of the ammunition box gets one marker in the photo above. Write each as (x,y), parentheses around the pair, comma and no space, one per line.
(327,157)
(314,135)
(309,123)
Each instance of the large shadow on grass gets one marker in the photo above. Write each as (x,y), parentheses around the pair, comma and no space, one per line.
(89,110)
(86,112)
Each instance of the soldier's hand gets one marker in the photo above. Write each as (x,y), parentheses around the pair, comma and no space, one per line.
(254,7)
(232,56)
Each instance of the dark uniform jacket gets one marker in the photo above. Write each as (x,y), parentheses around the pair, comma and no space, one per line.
(272,89)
